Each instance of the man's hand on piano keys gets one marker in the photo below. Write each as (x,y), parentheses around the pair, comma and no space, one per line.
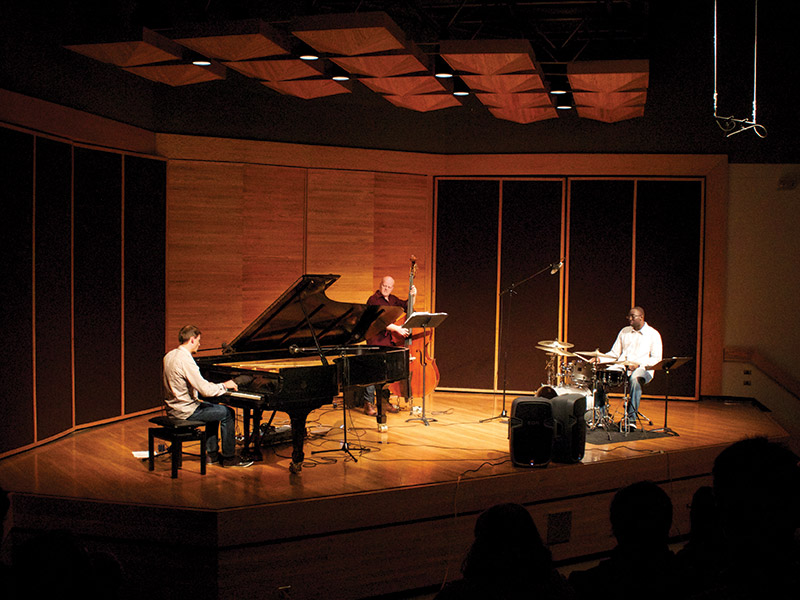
(230,385)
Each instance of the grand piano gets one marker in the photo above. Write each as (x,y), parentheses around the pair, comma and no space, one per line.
(300,353)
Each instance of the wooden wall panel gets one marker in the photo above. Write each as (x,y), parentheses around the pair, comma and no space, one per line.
(341,209)
(599,262)
(273,232)
(144,290)
(402,228)
(531,240)
(97,284)
(16,291)
(204,250)
(466,282)
(53,281)
(668,263)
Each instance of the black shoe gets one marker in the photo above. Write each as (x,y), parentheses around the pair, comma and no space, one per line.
(235,461)
(213,458)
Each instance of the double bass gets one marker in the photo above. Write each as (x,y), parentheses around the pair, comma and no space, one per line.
(423,373)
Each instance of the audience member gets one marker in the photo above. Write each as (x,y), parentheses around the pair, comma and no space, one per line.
(757,497)
(641,563)
(507,560)
(56,564)
(701,556)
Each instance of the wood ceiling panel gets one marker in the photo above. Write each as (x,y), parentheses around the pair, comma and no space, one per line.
(404,86)
(180,74)
(610,101)
(235,40)
(504,84)
(275,70)
(308,88)
(489,57)
(389,65)
(234,47)
(609,76)
(522,100)
(610,115)
(424,102)
(152,48)
(350,34)
(524,115)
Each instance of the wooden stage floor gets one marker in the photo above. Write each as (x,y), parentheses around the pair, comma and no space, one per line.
(399,517)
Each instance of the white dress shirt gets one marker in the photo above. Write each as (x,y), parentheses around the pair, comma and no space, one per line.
(183,382)
(642,347)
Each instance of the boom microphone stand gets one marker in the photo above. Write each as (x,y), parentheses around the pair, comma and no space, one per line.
(505,309)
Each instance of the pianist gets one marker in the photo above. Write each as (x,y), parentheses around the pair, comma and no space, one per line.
(182,385)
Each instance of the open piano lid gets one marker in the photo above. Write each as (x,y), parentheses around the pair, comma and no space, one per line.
(285,322)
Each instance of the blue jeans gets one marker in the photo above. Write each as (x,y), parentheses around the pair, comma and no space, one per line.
(638,379)
(218,417)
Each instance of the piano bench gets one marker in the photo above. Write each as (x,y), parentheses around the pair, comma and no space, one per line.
(176,431)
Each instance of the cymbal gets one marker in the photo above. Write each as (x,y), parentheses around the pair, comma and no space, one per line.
(555,344)
(555,351)
(627,363)
(594,354)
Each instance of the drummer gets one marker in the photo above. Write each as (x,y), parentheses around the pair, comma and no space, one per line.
(637,347)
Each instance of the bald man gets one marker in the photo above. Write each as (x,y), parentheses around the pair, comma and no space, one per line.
(383,296)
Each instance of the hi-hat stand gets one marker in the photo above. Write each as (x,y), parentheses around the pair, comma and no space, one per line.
(667,365)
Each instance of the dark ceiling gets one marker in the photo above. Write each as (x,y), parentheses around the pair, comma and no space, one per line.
(676,37)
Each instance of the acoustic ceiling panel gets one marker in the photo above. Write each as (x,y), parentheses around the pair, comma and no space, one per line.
(489,57)
(350,34)
(308,88)
(276,69)
(151,48)
(385,65)
(524,115)
(179,74)
(235,40)
(424,102)
(404,86)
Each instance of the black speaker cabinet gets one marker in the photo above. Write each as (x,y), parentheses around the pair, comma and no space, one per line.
(569,412)
(531,432)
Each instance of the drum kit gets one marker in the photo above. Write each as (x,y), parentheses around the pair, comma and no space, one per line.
(591,373)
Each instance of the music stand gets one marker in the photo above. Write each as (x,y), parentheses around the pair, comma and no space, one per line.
(667,365)
(423,320)
(506,311)
(345,445)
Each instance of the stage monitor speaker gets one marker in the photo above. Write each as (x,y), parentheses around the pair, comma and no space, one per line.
(531,431)
(569,414)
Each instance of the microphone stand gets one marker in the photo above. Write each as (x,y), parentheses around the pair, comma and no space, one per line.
(505,310)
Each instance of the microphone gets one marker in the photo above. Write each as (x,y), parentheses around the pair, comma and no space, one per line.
(556,267)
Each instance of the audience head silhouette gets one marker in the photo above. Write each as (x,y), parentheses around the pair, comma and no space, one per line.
(641,516)
(757,492)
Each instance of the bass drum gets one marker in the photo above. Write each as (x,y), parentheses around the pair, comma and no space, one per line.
(551,391)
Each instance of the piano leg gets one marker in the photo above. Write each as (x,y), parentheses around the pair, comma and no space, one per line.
(298,418)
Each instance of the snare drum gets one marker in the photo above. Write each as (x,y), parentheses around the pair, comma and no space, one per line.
(611,378)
